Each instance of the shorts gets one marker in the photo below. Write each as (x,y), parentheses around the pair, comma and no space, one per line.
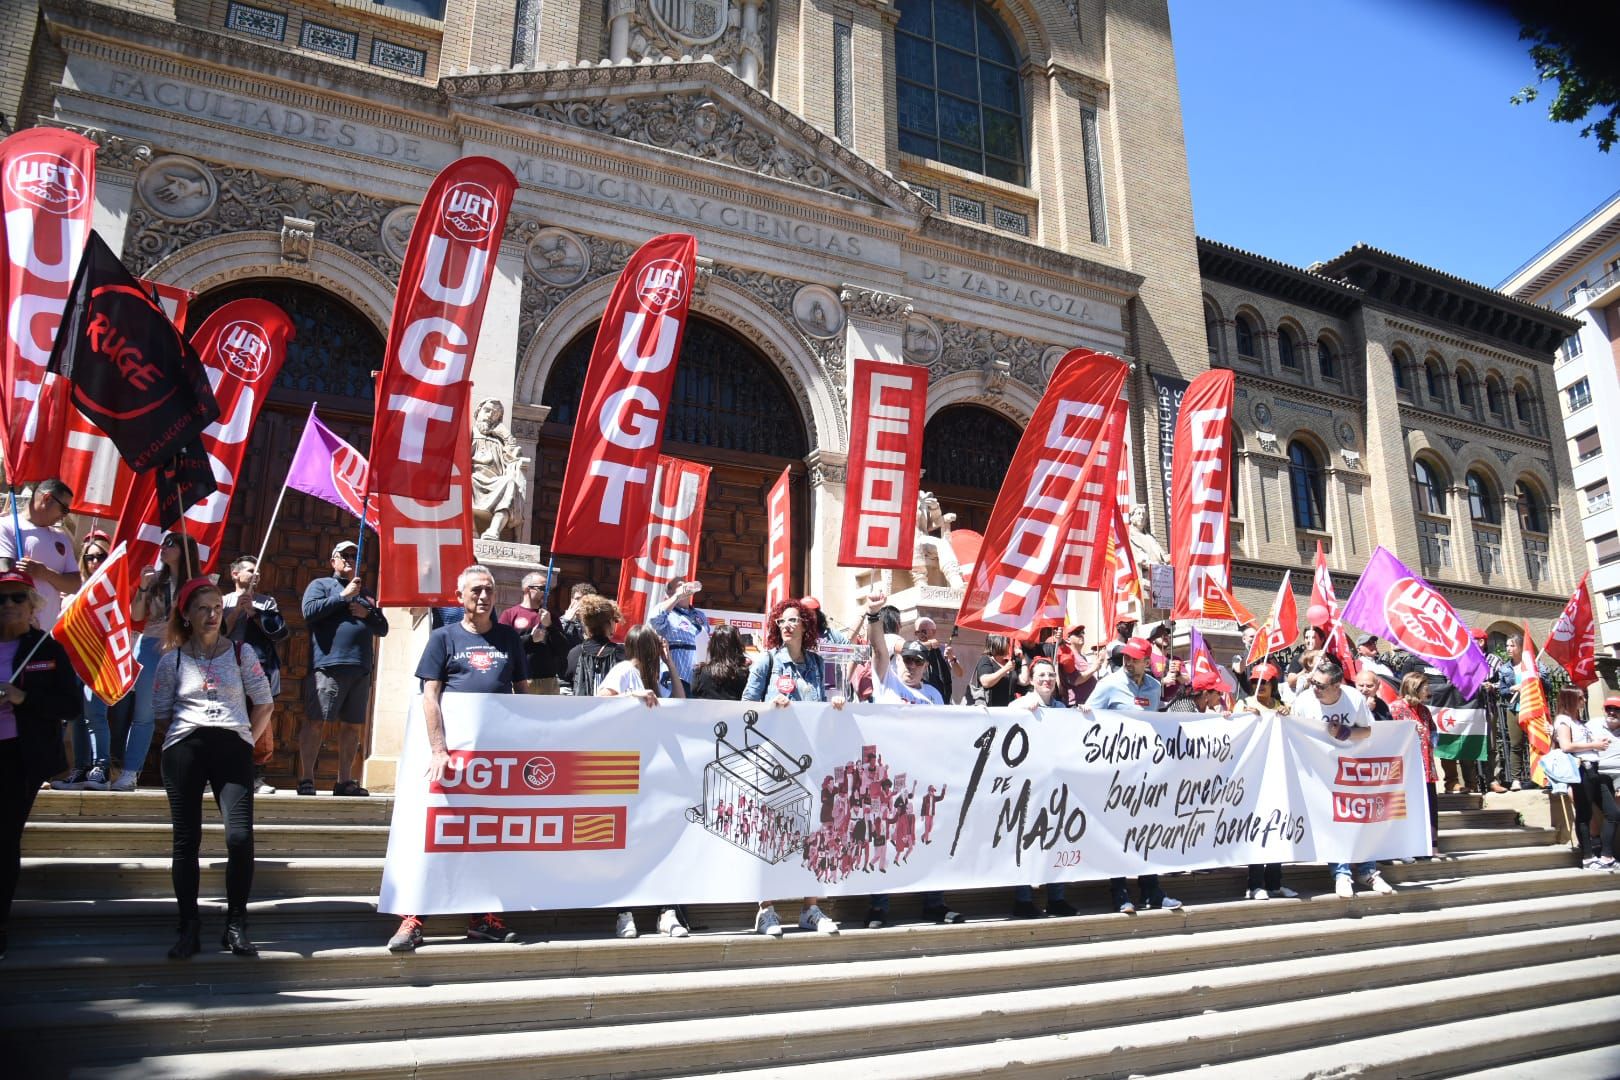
(340,693)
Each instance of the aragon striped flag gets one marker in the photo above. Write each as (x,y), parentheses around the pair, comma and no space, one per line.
(94,630)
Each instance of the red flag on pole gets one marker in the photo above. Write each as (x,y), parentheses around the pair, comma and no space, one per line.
(1535,712)
(47,201)
(778,568)
(94,629)
(426,376)
(1324,608)
(669,547)
(887,411)
(1572,641)
(1201,486)
(607,487)
(1012,577)
(1219,603)
(424,544)
(1281,628)
(1082,556)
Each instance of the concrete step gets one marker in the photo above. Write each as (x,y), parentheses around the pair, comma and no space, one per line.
(151,804)
(249,1014)
(150,839)
(1479,819)
(55,878)
(1599,1063)
(349,959)
(1461,840)
(1178,1020)
(1460,802)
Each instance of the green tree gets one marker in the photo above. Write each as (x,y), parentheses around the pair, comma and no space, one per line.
(1574,47)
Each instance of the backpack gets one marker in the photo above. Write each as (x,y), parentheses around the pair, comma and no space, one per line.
(593,667)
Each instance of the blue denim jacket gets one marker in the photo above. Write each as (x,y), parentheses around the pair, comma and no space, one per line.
(807,677)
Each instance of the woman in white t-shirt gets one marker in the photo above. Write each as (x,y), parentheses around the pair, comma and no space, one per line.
(1581,741)
(640,675)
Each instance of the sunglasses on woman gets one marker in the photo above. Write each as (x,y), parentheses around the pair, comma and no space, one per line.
(95,556)
(13,598)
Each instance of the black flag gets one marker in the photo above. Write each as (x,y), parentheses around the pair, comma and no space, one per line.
(182,482)
(132,373)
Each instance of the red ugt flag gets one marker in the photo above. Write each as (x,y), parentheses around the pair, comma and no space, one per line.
(607,488)
(670,545)
(426,377)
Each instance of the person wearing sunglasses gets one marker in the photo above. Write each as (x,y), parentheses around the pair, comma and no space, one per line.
(46,553)
(1265,879)
(90,735)
(1343,711)
(35,703)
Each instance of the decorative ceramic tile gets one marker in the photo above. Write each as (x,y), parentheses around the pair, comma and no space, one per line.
(256,21)
(402,58)
(971,209)
(1012,221)
(329,39)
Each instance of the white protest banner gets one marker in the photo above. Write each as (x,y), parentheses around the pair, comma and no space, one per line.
(561,803)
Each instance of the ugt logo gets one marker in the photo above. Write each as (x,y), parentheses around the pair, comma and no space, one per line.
(469,212)
(1421,622)
(244,348)
(662,285)
(48,181)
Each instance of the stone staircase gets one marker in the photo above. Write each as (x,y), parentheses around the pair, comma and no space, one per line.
(1499,960)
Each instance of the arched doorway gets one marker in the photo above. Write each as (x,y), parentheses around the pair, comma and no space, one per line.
(732,411)
(329,362)
(967,450)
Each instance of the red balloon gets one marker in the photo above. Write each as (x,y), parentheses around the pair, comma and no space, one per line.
(1317,615)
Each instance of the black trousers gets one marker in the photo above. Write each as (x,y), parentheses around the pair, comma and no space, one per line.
(1585,796)
(1267,876)
(1611,811)
(16,801)
(1147,885)
(219,759)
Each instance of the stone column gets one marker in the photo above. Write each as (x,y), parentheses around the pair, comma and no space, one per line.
(876,327)
(118,161)
(834,586)
(526,423)
(753,45)
(619,29)
(1464,559)
(397,655)
(494,367)
(1514,570)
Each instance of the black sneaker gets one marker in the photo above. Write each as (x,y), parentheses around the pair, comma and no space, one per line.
(941,914)
(350,789)
(1024,909)
(489,928)
(1061,908)
(306,787)
(876,918)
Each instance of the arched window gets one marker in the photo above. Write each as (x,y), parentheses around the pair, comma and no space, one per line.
(1465,388)
(1212,333)
(1401,367)
(1243,326)
(1493,395)
(1532,508)
(959,94)
(1523,406)
(1434,379)
(1483,505)
(1327,361)
(1287,349)
(1307,487)
(1429,485)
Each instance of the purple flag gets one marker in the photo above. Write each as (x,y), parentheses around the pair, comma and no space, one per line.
(1396,604)
(328,468)
(1200,659)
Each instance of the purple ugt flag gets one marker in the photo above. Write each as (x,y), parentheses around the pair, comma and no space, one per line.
(1396,604)
(328,468)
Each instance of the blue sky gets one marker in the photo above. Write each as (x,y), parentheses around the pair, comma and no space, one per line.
(1313,125)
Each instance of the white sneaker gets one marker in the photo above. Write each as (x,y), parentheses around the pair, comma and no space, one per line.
(1344,887)
(1170,903)
(813,918)
(1286,893)
(1515,786)
(670,923)
(1127,908)
(1378,885)
(627,926)
(1259,894)
(766,922)
(73,781)
(126,780)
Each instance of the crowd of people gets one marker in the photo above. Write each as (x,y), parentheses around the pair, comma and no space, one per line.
(210,673)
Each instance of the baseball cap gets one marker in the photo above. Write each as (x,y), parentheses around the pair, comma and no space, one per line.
(1368,640)
(810,603)
(1610,702)
(16,577)
(1264,672)
(1477,634)
(914,650)
(345,545)
(1208,680)
(96,534)
(1075,629)
(1136,648)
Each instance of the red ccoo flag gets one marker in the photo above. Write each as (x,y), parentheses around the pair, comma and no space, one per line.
(1219,603)
(1201,486)
(1324,609)
(1281,628)
(778,572)
(94,629)
(1572,642)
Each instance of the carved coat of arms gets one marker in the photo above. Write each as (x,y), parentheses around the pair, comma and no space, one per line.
(696,22)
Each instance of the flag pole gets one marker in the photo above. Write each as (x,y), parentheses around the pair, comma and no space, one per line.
(545,594)
(276,513)
(16,534)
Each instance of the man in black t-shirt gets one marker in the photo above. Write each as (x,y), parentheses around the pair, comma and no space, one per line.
(475,656)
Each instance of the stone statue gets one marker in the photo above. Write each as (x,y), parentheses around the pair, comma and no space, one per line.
(1146,549)
(499,472)
(929,548)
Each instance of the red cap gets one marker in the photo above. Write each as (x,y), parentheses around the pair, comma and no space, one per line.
(810,603)
(1208,680)
(190,589)
(16,577)
(1477,634)
(1075,629)
(96,534)
(1610,702)
(1264,672)
(1137,648)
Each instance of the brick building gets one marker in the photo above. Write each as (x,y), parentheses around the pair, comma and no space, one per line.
(973,187)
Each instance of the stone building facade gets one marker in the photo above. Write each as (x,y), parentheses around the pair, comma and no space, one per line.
(974,186)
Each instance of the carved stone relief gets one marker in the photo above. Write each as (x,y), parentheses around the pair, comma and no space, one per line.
(541,297)
(558,258)
(114,153)
(177,188)
(248,200)
(1346,433)
(297,239)
(994,352)
(723,29)
(818,311)
(922,342)
(698,125)
(396,231)
(868,305)
(1049,360)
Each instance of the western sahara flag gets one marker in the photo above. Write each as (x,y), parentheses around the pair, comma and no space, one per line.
(133,374)
(1461,724)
